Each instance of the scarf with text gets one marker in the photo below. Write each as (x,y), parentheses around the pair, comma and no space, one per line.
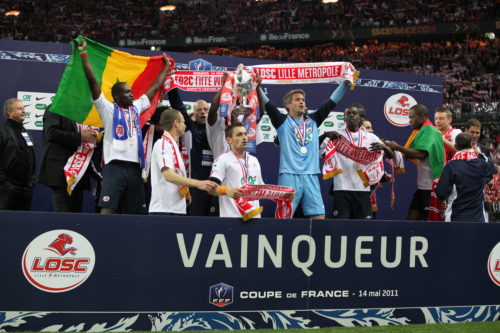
(370,168)
(278,194)
(211,81)
(123,131)
(179,167)
(78,163)
(323,72)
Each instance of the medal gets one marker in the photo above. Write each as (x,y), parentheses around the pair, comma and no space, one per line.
(302,135)
(131,141)
(356,165)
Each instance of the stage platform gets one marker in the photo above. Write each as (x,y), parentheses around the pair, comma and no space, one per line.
(89,272)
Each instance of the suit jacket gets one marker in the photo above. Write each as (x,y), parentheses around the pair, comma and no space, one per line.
(9,149)
(484,150)
(60,140)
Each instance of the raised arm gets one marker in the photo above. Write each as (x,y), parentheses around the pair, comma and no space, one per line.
(324,110)
(176,103)
(277,118)
(262,104)
(158,82)
(214,106)
(95,89)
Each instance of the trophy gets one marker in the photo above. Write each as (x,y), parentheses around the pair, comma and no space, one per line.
(244,85)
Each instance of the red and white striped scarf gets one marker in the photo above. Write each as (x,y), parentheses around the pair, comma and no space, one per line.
(279,194)
(179,167)
(371,167)
(78,163)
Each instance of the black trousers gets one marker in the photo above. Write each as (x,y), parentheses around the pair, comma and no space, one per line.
(203,204)
(63,202)
(13,197)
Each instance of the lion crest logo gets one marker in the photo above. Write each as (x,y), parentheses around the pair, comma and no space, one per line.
(59,245)
(403,101)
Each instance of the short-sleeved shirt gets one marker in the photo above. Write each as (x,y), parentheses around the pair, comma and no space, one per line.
(165,196)
(228,170)
(106,110)
(349,180)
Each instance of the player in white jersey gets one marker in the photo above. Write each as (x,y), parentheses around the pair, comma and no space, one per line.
(352,198)
(168,173)
(233,169)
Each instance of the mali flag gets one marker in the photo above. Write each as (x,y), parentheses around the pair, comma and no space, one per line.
(74,99)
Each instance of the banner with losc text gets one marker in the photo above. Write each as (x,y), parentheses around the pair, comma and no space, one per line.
(79,262)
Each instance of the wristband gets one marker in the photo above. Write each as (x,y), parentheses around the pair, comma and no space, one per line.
(83,54)
(222,190)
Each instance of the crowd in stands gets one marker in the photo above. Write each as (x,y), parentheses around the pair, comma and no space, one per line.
(469,67)
(50,20)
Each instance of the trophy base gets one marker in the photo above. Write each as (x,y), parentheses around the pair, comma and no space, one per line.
(242,110)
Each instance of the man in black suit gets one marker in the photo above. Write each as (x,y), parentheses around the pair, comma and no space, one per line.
(473,128)
(61,139)
(17,159)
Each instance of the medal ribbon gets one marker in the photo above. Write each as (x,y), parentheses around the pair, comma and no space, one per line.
(244,168)
(351,138)
(130,124)
(302,134)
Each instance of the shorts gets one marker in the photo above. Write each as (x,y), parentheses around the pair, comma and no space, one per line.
(420,202)
(308,193)
(123,188)
(354,205)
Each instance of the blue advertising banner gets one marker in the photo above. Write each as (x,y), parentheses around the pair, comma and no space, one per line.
(65,270)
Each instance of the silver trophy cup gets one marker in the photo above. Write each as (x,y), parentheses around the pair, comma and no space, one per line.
(243,86)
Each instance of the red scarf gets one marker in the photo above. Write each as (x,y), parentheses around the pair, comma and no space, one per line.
(279,194)
(178,167)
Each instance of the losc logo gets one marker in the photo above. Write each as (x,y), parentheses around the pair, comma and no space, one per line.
(120,131)
(41,106)
(221,294)
(225,97)
(328,124)
(494,264)
(50,264)
(397,108)
(26,97)
(266,128)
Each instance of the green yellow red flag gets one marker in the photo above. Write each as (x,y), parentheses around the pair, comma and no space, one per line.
(73,97)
